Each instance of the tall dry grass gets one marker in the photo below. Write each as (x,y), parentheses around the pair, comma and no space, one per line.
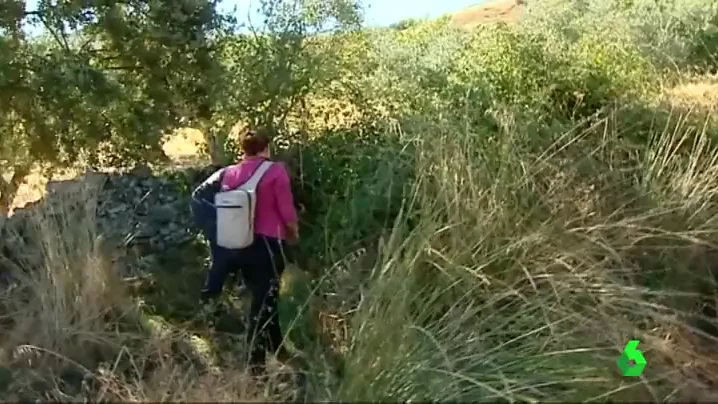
(529,268)
(72,331)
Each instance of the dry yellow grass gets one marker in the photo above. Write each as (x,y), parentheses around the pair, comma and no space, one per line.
(35,185)
(184,143)
(700,92)
(490,12)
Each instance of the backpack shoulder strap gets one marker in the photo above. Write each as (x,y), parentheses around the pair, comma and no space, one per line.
(257,175)
(222,172)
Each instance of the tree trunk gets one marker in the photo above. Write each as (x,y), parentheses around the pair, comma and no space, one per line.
(8,189)
(215,142)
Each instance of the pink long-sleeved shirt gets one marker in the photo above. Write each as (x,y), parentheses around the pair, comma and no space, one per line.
(275,203)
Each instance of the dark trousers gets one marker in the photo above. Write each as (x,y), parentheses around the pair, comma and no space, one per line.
(221,265)
(261,266)
(205,218)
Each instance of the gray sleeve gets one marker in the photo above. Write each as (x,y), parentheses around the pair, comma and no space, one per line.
(210,186)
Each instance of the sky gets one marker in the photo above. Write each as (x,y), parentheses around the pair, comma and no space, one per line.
(376,12)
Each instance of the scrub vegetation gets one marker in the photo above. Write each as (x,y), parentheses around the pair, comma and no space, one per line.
(493,202)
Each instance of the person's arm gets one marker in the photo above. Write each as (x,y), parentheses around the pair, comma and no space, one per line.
(293,231)
(285,203)
(209,186)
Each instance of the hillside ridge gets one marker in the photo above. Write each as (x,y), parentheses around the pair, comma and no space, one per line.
(488,12)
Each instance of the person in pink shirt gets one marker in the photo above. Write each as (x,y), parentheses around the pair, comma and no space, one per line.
(261,264)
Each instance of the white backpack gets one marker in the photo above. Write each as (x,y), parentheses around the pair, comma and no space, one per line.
(235,211)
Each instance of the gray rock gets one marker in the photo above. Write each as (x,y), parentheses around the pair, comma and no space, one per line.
(120,208)
(142,171)
(162,214)
(135,212)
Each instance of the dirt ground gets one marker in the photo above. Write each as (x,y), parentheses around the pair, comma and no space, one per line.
(493,11)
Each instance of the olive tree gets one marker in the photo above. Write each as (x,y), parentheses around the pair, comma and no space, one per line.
(103,83)
(270,66)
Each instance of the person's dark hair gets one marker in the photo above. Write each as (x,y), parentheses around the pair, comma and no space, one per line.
(255,142)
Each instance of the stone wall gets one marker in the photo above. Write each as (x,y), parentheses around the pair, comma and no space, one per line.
(138,211)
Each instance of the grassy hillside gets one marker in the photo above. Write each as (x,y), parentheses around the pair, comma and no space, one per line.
(488,12)
(499,213)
